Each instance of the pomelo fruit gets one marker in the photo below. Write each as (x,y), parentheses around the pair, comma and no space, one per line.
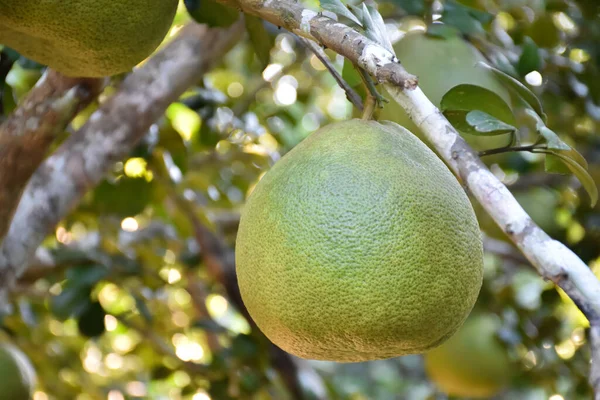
(472,363)
(359,244)
(17,376)
(441,64)
(87,38)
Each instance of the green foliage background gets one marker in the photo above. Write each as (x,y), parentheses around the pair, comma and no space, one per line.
(133,309)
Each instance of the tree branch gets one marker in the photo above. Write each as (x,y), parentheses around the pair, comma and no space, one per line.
(30,130)
(108,136)
(336,36)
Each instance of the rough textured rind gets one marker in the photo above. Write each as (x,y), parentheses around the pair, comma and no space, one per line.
(90,38)
(359,244)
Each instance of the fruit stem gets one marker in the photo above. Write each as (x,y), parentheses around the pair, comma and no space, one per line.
(371,90)
(369,107)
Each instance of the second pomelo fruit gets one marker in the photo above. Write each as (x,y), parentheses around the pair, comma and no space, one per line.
(17,376)
(359,244)
(87,38)
(441,64)
(472,363)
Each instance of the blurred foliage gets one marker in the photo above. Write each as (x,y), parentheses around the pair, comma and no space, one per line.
(133,309)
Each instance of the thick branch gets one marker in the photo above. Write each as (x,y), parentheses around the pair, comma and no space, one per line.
(340,38)
(30,130)
(108,136)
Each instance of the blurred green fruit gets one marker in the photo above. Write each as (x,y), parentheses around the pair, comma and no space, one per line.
(472,363)
(17,376)
(86,37)
(440,64)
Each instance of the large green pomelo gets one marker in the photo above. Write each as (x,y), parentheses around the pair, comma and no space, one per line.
(86,37)
(472,363)
(359,244)
(17,376)
(441,64)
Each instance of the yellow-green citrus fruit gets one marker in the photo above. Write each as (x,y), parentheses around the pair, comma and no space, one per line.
(86,37)
(359,244)
(17,376)
(440,64)
(539,202)
(472,363)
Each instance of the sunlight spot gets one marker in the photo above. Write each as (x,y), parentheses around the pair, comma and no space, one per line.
(235,89)
(115,395)
(110,322)
(136,389)
(216,304)
(534,78)
(129,224)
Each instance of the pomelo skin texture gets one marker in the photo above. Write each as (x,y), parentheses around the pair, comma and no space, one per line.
(472,363)
(87,38)
(359,244)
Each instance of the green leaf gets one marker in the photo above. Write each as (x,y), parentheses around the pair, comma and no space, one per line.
(412,7)
(553,157)
(485,123)
(530,59)
(468,20)
(87,275)
(71,302)
(552,139)
(211,13)
(338,8)
(375,27)
(518,88)
(554,142)
(471,97)
(91,321)
(261,41)
(494,118)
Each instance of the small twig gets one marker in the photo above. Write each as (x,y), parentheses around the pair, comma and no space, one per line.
(371,89)
(530,148)
(351,94)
